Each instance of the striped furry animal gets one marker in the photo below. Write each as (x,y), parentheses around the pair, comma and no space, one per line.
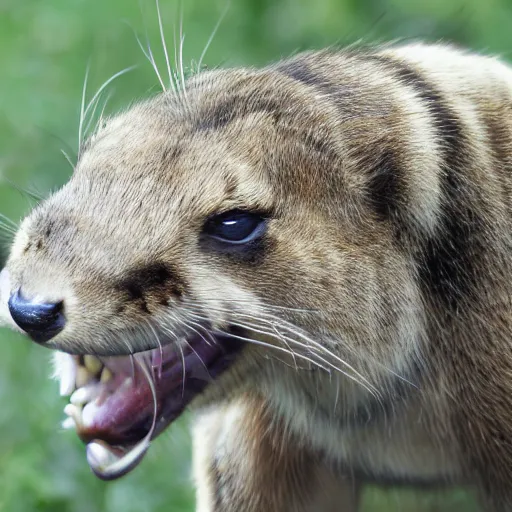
(315,256)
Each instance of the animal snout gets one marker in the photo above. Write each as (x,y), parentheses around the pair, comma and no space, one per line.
(40,320)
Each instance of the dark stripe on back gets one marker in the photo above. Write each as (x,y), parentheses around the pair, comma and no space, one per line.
(301,72)
(447,264)
(386,191)
(287,114)
(223,113)
(343,97)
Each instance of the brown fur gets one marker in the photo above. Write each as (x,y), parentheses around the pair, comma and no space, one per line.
(387,178)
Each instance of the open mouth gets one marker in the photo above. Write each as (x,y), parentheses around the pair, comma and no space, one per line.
(119,404)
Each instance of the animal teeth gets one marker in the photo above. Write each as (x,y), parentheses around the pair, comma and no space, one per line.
(98,456)
(74,412)
(107,462)
(82,376)
(67,383)
(89,413)
(68,423)
(65,372)
(106,375)
(84,394)
(93,364)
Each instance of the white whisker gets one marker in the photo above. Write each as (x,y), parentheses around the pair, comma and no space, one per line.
(105,84)
(147,369)
(149,55)
(265,306)
(7,229)
(213,34)
(91,116)
(291,352)
(193,350)
(100,119)
(9,222)
(182,41)
(287,345)
(199,326)
(6,233)
(355,375)
(30,193)
(271,320)
(178,345)
(164,45)
(82,107)
(176,66)
(159,347)
(278,348)
(67,157)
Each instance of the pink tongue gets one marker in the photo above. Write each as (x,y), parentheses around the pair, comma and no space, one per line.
(124,411)
(144,396)
(112,461)
(113,416)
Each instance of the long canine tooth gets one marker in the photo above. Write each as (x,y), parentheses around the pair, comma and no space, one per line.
(82,376)
(106,375)
(93,364)
(65,371)
(84,394)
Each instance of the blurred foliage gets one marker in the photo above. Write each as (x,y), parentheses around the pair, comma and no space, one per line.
(45,48)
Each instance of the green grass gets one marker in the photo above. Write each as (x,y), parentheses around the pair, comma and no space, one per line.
(44,51)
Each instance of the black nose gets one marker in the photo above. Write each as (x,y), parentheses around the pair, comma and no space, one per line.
(41,321)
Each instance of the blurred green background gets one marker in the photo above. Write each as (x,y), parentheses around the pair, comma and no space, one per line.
(44,50)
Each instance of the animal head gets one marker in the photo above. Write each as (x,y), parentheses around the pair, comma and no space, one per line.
(244,226)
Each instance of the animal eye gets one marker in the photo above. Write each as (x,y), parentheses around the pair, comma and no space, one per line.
(235,226)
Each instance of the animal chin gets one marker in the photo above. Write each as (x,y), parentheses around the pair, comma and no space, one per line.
(119,404)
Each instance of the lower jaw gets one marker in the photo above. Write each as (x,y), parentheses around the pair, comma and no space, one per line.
(119,432)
